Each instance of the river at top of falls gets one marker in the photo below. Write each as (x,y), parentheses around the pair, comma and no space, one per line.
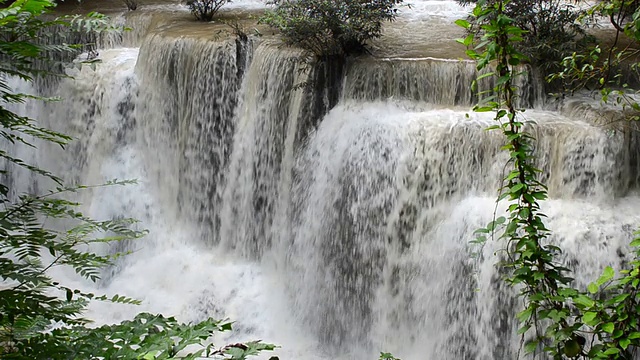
(337,235)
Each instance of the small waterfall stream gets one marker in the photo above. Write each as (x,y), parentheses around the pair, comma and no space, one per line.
(335,235)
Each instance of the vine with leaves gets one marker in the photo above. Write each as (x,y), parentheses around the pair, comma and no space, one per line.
(558,319)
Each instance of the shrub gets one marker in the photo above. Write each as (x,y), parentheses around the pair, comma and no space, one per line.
(327,27)
(205,10)
(552,30)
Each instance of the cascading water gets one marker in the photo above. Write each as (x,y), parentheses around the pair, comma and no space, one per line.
(389,200)
(334,239)
(192,130)
(436,81)
(263,150)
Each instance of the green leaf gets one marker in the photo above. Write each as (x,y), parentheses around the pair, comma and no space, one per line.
(624,343)
(590,318)
(608,327)
(463,23)
(516,188)
(540,195)
(524,329)
(634,335)
(530,346)
(525,315)
(583,301)
(611,351)
(620,298)
(606,276)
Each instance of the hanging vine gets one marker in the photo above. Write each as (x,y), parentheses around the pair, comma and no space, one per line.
(558,319)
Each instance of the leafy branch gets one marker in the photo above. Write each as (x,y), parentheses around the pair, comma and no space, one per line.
(557,318)
(41,318)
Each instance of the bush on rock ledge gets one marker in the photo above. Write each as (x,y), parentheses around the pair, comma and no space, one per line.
(331,27)
(205,10)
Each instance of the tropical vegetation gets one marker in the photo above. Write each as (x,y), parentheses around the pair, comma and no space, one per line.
(551,30)
(331,27)
(41,318)
(205,10)
(559,320)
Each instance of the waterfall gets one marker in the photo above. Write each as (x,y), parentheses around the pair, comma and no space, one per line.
(260,173)
(335,234)
(435,81)
(389,198)
(188,131)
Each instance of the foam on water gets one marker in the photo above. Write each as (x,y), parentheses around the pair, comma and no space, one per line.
(170,270)
(336,239)
(421,9)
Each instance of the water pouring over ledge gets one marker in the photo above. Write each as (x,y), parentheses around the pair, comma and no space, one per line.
(347,235)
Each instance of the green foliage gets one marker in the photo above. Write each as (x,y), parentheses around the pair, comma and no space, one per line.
(205,10)
(557,318)
(147,336)
(41,318)
(622,14)
(387,356)
(610,68)
(550,29)
(331,27)
(531,262)
(610,310)
(28,250)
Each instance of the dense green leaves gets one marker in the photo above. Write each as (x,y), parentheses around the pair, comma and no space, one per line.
(331,27)
(147,336)
(609,67)
(547,30)
(556,318)
(205,10)
(41,318)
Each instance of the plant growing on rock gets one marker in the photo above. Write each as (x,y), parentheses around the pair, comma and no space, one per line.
(331,27)
(551,29)
(205,10)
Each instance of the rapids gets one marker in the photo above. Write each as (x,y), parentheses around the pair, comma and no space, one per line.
(334,235)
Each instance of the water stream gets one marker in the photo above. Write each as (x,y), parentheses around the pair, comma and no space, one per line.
(335,236)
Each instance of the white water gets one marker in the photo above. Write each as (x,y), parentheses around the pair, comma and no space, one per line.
(413,9)
(422,9)
(334,241)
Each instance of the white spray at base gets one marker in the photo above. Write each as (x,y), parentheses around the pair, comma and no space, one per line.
(170,270)
(350,240)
